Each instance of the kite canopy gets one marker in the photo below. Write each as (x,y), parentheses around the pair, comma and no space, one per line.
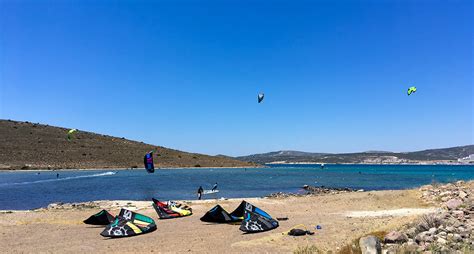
(256,220)
(260,97)
(411,90)
(148,160)
(101,218)
(128,223)
(252,218)
(218,215)
(70,134)
(171,209)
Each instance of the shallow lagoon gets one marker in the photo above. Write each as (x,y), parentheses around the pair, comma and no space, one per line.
(28,190)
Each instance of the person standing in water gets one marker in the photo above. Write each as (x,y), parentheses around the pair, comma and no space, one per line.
(199,192)
(57,175)
(214,187)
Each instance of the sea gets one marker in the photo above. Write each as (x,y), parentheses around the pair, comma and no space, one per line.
(23,190)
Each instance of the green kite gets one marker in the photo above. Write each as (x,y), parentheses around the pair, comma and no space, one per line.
(411,90)
(70,134)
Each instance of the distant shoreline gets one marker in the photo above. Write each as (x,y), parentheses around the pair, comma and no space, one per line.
(377,164)
(266,165)
(118,169)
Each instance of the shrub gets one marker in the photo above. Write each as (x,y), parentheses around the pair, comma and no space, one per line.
(428,221)
(308,249)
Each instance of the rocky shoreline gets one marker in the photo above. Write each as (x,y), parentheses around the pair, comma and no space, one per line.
(313,191)
(450,230)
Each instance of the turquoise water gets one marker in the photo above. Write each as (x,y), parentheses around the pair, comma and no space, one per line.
(27,190)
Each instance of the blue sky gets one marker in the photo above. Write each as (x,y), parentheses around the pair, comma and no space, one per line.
(186,74)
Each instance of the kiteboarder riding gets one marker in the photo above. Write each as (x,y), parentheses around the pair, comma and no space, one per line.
(214,187)
(199,192)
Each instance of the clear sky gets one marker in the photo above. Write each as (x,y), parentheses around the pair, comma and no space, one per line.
(186,74)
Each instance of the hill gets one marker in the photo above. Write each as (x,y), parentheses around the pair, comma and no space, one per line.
(29,145)
(432,155)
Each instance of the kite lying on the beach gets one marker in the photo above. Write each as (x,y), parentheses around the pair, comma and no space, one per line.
(148,160)
(129,223)
(70,134)
(171,209)
(256,220)
(252,218)
(411,90)
(101,218)
(260,97)
(218,215)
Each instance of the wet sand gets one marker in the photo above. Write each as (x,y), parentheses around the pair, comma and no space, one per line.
(343,217)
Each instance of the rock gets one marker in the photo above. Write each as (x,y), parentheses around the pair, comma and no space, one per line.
(424,237)
(442,234)
(432,231)
(462,194)
(457,238)
(449,228)
(391,249)
(458,214)
(420,237)
(55,205)
(411,232)
(453,203)
(395,237)
(426,187)
(445,193)
(441,241)
(370,245)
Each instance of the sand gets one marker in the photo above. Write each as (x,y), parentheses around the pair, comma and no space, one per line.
(343,217)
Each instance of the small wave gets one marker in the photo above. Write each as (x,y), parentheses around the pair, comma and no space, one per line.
(62,179)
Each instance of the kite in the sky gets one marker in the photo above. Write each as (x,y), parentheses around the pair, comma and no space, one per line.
(260,97)
(148,160)
(411,90)
(70,134)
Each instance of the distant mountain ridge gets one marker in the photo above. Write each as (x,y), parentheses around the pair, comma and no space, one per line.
(430,155)
(25,145)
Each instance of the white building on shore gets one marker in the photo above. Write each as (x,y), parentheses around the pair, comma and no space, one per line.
(468,159)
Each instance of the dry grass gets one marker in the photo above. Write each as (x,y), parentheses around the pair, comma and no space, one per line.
(308,249)
(428,221)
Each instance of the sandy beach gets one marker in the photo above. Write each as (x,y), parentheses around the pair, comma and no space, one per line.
(343,217)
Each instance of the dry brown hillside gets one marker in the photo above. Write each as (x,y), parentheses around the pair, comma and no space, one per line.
(25,145)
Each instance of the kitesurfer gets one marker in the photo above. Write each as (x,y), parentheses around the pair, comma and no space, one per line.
(214,187)
(199,192)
